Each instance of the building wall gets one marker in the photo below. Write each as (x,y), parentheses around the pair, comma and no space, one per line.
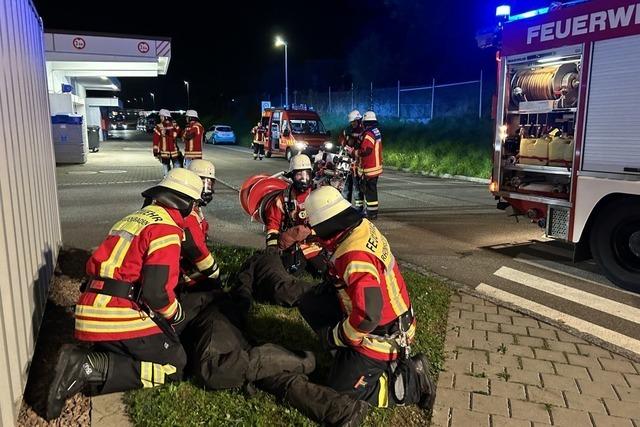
(29,217)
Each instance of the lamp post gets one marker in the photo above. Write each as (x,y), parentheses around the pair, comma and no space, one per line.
(153,99)
(281,42)
(186,83)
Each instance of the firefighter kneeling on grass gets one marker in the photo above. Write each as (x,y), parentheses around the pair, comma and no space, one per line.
(366,316)
(370,166)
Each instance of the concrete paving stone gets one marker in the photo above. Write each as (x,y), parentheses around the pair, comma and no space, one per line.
(525,377)
(463,418)
(566,337)
(543,395)
(490,404)
(566,347)
(456,297)
(529,341)
(507,389)
(617,366)
(457,324)
(525,321)
(520,350)
(622,409)
(570,417)
(489,346)
(499,318)
(507,312)
(498,421)
(586,361)
(584,402)
(472,334)
(633,380)
(440,416)
(466,382)
(487,309)
(537,365)
(637,366)
(593,351)
(543,333)
(614,378)
(550,355)
(445,379)
(485,326)
(492,371)
(472,315)
(500,338)
(529,411)
(472,300)
(596,389)
(558,382)
(627,394)
(453,314)
(452,398)
(544,325)
(601,420)
(109,410)
(578,372)
(474,356)
(457,366)
(513,329)
(454,343)
(507,361)
(460,306)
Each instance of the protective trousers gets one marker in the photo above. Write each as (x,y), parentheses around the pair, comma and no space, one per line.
(347,190)
(368,191)
(170,163)
(258,150)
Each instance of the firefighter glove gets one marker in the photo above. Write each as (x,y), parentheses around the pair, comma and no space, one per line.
(292,236)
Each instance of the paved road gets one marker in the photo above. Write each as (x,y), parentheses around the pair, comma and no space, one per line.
(450,227)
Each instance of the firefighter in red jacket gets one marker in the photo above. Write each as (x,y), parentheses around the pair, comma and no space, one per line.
(350,140)
(129,310)
(165,147)
(286,221)
(367,316)
(192,137)
(370,164)
(258,133)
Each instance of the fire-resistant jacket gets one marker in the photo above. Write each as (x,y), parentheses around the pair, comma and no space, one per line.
(194,247)
(276,220)
(371,153)
(192,137)
(258,134)
(372,293)
(164,140)
(142,249)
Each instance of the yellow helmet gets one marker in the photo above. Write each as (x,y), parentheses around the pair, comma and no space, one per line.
(323,204)
(183,181)
(369,116)
(300,162)
(203,168)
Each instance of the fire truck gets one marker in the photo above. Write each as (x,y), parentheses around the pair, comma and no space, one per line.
(567,141)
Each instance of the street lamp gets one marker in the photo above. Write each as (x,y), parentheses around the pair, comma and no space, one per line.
(186,83)
(281,42)
(153,99)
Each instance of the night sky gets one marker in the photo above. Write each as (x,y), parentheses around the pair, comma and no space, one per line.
(229,53)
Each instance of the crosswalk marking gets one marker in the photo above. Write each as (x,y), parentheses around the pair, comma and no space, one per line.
(604,334)
(596,302)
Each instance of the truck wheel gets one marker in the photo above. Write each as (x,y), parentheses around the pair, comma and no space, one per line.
(615,243)
(288,154)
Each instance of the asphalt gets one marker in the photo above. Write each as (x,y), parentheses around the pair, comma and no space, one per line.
(446,226)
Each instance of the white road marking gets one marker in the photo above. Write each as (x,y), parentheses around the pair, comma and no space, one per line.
(604,334)
(578,296)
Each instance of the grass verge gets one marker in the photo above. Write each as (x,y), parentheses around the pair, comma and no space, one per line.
(184,404)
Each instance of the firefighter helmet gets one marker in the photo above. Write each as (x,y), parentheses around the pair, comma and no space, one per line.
(164,113)
(325,203)
(192,113)
(184,182)
(354,115)
(300,162)
(300,172)
(203,168)
(369,116)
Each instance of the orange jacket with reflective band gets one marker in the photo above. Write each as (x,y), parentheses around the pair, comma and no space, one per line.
(194,247)
(258,134)
(192,137)
(371,164)
(371,290)
(164,139)
(142,248)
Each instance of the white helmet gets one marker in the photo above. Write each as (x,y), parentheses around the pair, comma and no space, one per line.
(323,204)
(204,168)
(192,113)
(354,115)
(300,162)
(369,116)
(164,113)
(183,181)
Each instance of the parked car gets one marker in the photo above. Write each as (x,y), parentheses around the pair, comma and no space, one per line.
(220,134)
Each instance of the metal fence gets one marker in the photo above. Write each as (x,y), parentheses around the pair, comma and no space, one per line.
(29,218)
(411,103)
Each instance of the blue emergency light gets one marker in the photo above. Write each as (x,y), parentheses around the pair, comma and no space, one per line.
(530,14)
(503,11)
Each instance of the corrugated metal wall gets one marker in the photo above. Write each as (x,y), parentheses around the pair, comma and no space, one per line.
(29,217)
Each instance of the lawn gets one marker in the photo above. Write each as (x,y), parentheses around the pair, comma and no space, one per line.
(186,405)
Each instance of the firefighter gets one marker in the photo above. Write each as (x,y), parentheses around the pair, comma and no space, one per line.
(258,133)
(370,164)
(350,140)
(366,317)
(128,310)
(286,221)
(165,147)
(192,137)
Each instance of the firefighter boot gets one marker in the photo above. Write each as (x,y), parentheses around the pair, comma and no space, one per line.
(74,370)
(427,386)
(269,359)
(320,403)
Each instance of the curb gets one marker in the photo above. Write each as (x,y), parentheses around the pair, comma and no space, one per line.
(443,176)
(459,287)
